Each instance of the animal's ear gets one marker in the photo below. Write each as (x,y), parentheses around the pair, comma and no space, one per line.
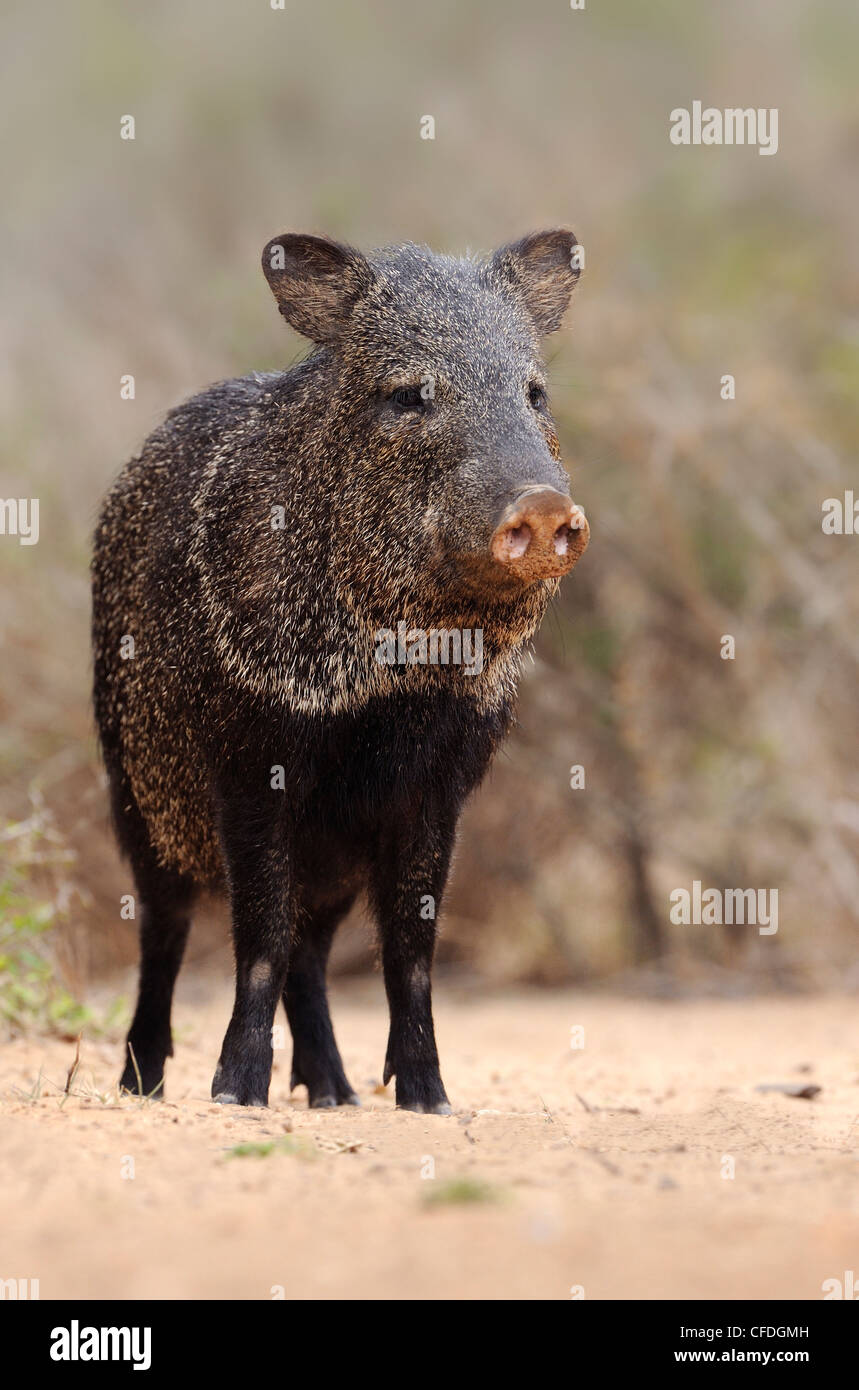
(542,269)
(316,282)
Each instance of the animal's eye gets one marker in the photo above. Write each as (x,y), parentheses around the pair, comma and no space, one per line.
(536,395)
(408,398)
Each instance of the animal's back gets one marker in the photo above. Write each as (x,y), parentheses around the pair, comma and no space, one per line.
(149,650)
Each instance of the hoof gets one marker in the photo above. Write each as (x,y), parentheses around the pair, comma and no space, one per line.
(227,1098)
(329,1102)
(131,1088)
(443,1107)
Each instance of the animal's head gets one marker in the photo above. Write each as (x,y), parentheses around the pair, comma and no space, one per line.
(438,404)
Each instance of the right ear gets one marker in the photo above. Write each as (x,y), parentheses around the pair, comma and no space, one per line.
(316,282)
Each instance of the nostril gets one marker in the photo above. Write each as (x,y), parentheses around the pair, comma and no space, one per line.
(561,539)
(511,541)
(518,538)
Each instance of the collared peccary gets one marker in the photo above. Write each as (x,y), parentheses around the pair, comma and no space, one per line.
(250,566)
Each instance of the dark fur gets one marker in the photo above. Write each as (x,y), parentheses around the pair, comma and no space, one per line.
(254,647)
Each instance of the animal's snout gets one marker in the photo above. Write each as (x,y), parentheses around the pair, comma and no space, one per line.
(541,535)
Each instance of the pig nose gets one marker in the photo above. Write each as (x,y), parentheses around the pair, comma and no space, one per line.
(540,536)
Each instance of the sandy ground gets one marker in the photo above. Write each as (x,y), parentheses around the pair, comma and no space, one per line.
(620,1193)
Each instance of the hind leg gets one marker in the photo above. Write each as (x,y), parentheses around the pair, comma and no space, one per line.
(164,900)
(164,926)
(316,1061)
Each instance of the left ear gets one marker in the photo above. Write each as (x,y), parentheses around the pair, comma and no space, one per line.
(542,269)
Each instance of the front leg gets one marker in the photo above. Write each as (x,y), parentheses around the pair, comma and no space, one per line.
(407,885)
(255,844)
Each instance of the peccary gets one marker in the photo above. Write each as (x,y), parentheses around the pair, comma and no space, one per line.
(261,727)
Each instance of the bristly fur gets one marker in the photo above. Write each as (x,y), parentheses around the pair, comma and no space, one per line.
(254,644)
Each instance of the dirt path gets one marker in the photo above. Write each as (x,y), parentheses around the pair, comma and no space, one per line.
(626,1199)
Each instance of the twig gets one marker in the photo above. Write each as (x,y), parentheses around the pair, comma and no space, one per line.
(67,1089)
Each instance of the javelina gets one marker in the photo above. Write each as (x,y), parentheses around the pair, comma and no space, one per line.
(251,567)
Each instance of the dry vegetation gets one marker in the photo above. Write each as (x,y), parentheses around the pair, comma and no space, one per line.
(143,257)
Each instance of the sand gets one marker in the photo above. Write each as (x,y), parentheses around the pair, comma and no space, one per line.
(600,1169)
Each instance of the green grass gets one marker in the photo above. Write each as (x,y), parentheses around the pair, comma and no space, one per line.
(32,997)
(457,1192)
(289,1144)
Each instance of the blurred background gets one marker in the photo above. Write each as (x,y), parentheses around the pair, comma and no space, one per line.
(142,257)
